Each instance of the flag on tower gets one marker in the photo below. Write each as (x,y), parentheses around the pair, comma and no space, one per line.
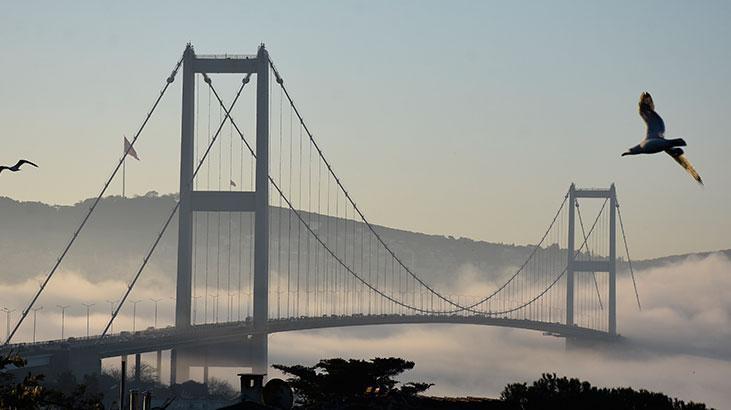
(132,153)
(233,184)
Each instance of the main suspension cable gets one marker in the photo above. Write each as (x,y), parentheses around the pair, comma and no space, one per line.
(370,286)
(302,220)
(514,309)
(629,260)
(362,216)
(60,259)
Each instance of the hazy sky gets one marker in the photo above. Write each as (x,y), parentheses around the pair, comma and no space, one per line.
(464,118)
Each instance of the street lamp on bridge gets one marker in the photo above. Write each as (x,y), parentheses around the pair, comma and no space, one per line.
(134,312)
(155,301)
(35,311)
(88,305)
(63,317)
(8,312)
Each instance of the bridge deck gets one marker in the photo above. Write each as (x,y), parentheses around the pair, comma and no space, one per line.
(167,338)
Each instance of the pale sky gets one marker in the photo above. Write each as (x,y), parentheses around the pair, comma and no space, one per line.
(462,118)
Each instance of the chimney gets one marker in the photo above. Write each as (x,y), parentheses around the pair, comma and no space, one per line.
(251,387)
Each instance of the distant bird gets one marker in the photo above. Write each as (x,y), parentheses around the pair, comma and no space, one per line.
(655,141)
(16,167)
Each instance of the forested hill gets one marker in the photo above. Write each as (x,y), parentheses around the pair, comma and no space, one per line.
(121,230)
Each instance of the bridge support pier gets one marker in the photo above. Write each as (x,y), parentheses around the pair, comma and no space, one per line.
(259,354)
(246,353)
(173,367)
(78,362)
(205,376)
(158,366)
(180,362)
(138,369)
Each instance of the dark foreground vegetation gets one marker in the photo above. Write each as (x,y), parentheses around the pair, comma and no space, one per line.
(29,391)
(370,384)
(34,392)
(329,384)
(551,391)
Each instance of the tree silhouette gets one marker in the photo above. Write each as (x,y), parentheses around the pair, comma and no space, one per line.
(18,395)
(332,383)
(551,391)
(32,393)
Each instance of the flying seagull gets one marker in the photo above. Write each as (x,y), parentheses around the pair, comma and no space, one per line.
(16,167)
(655,141)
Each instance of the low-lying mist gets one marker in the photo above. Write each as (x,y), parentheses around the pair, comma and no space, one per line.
(678,343)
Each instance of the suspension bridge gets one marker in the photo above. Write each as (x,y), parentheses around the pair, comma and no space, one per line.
(266,224)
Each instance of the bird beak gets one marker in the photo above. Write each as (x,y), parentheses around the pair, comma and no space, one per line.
(625,153)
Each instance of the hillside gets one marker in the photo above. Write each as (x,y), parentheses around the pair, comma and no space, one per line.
(113,243)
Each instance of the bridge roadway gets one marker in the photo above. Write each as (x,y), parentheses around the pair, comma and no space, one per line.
(151,340)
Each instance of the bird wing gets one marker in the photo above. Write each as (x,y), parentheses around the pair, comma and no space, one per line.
(3,167)
(24,161)
(655,124)
(683,161)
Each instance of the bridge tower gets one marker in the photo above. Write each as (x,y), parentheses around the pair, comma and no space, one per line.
(609,265)
(255,348)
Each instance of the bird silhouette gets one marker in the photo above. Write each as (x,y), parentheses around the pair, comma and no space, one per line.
(655,141)
(16,167)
